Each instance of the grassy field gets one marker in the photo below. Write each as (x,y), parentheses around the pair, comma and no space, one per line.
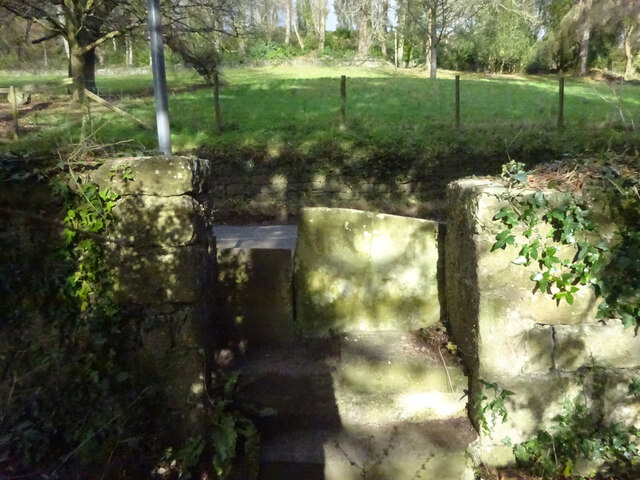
(400,129)
(277,107)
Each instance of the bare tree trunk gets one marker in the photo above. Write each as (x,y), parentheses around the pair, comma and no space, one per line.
(628,33)
(404,22)
(427,52)
(46,58)
(82,71)
(287,28)
(395,47)
(364,30)
(323,25)
(433,43)
(586,36)
(584,51)
(65,45)
(128,48)
(295,29)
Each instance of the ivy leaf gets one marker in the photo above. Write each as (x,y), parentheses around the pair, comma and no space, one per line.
(568,297)
(634,387)
(628,320)
(543,284)
(521,260)
(519,177)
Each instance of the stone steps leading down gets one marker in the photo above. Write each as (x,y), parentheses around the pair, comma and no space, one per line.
(377,405)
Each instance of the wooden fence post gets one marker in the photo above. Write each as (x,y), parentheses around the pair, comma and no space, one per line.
(561,102)
(457,101)
(343,101)
(13,98)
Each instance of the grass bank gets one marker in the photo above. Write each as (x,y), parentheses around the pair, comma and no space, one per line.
(398,123)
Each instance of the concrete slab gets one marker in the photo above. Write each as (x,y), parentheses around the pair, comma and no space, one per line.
(256,236)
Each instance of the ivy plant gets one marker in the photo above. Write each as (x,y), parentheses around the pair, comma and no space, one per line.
(560,239)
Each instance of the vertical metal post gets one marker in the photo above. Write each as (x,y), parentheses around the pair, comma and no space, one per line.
(159,77)
(457,101)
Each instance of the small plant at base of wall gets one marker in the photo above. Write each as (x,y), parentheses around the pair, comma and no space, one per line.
(491,409)
(577,442)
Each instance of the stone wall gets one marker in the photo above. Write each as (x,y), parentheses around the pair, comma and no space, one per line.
(164,264)
(523,340)
(279,187)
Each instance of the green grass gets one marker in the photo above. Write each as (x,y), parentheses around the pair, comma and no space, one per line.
(294,111)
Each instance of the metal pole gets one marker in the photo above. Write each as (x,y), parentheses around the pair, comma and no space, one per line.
(159,77)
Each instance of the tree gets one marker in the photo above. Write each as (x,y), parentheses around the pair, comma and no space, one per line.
(84,25)
(16,50)
(194,29)
(436,19)
(630,41)
(589,16)
(503,35)
(584,13)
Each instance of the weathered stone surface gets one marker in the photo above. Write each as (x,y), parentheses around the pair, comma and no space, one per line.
(619,406)
(255,295)
(388,377)
(159,176)
(158,275)
(509,346)
(461,273)
(523,340)
(171,346)
(145,220)
(428,450)
(359,271)
(536,402)
(608,346)
(373,379)
(21,98)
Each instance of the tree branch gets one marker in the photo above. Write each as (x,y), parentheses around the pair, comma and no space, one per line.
(44,39)
(110,35)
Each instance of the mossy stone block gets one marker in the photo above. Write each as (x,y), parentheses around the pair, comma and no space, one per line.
(144,220)
(161,176)
(159,275)
(364,271)
(609,345)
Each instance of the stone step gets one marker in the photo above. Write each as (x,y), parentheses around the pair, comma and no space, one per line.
(365,379)
(401,451)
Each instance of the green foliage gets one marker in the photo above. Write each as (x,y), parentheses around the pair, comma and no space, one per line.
(514,172)
(263,50)
(78,400)
(547,232)
(229,436)
(578,436)
(501,39)
(490,409)
(77,396)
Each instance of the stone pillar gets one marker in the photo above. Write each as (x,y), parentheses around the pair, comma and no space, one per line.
(520,338)
(164,268)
